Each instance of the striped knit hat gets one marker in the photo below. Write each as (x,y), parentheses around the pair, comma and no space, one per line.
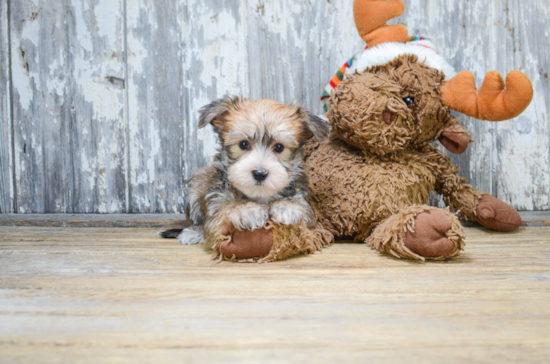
(384,53)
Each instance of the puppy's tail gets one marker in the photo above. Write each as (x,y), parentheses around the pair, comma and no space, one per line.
(189,236)
(171,234)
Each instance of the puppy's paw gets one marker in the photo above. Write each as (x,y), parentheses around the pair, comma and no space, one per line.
(286,213)
(191,236)
(249,216)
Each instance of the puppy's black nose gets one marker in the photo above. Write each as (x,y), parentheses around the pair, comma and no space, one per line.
(260,174)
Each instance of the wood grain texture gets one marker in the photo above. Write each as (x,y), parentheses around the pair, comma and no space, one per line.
(68,101)
(522,147)
(106,95)
(92,295)
(6,152)
(295,47)
(155,105)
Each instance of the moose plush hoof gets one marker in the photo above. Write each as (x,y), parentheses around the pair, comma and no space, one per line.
(497,215)
(419,232)
(429,238)
(247,244)
(274,242)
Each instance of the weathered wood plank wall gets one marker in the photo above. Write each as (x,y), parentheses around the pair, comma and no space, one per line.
(101,97)
(68,105)
(6,164)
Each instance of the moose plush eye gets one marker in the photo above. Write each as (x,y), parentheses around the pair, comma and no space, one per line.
(244,145)
(409,101)
(278,148)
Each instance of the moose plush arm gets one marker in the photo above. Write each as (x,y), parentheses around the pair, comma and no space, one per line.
(470,203)
(461,197)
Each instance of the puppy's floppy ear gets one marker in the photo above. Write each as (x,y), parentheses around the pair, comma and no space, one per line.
(215,112)
(313,126)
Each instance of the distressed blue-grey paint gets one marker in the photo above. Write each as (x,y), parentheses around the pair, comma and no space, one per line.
(106,93)
(67,58)
(7,192)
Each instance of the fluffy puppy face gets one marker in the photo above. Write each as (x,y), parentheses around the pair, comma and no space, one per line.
(261,142)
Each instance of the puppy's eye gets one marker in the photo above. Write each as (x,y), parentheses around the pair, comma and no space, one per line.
(409,100)
(244,145)
(278,148)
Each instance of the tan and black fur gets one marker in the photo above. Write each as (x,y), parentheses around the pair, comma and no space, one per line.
(254,135)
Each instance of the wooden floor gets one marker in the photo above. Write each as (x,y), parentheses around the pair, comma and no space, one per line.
(90,295)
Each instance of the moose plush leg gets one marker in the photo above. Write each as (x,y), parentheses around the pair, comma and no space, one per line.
(468,202)
(274,242)
(419,232)
(489,211)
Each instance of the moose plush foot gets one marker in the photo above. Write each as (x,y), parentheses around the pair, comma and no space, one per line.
(429,237)
(246,244)
(497,215)
(274,242)
(419,232)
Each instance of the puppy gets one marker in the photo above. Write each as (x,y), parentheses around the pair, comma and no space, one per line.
(257,174)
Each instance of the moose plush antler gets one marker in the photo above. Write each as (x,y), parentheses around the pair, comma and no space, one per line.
(386,106)
(371,17)
(494,101)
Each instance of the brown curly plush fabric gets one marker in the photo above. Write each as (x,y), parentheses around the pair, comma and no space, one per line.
(274,242)
(379,168)
(290,241)
(352,191)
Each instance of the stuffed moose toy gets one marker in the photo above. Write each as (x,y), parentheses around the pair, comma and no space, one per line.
(372,180)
